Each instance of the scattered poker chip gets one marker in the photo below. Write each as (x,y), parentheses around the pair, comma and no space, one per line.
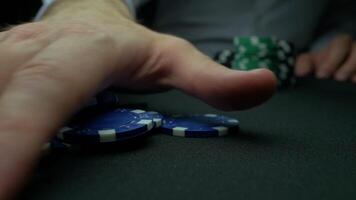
(107,126)
(208,125)
(156,117)
(55,145)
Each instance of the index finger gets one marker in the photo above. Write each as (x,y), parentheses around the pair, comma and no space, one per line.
(336,53)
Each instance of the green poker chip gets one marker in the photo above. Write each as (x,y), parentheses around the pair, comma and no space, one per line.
(255,45)
(252,53)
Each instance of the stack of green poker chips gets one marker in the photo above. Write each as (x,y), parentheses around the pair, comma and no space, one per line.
(265,52)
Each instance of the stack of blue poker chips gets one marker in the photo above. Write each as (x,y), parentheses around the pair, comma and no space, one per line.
(117,125)
(101,122)
(107,127)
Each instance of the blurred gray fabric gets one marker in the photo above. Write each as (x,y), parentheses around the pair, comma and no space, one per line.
(211,25)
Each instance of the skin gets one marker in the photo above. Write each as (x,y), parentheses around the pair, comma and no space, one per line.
(49,68)
(337,60)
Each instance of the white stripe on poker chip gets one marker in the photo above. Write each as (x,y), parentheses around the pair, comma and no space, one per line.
(255,40)
(179,131)
(243,66)
(262,53)
(285,46)
(262,46)
(221,130)
(138,111)
(244,61)
(148,123)
(281,55)
(158,122)
(262,65)
(236,41)
(210,115)
(62,131)
(242,49)
(107,135)
(66,144)
(234,121)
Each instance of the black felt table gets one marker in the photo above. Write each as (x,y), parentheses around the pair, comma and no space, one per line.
(299,145)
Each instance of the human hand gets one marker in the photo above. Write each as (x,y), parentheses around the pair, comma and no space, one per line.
(49,68)
(337,60)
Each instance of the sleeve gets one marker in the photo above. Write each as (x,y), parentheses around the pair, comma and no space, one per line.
(46,4)
(339,18)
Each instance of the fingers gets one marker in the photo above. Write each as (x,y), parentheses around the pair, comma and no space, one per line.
(348,69)
(197,75)
(336,54)
(304,65)
(337,60)
(40,96)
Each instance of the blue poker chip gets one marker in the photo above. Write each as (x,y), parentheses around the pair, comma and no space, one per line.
(208,125)
(156,117)
(107,126)
(55,145)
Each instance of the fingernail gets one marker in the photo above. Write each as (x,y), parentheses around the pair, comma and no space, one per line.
(341,77)
(300,72)
(322,75)
(354,80)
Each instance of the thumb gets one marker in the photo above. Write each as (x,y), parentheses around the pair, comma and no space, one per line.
(199,76)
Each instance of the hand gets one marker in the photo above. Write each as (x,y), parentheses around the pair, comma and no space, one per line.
(48,69)
(337,60)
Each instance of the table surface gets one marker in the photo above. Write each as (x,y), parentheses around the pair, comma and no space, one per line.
(299,145)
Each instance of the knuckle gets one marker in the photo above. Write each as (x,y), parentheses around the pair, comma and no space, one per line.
(170,50)
(27,31)
(94,34)
(76,29)
(171,42)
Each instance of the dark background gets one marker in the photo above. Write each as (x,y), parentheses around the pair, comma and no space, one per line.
(17,11)
(20,11)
